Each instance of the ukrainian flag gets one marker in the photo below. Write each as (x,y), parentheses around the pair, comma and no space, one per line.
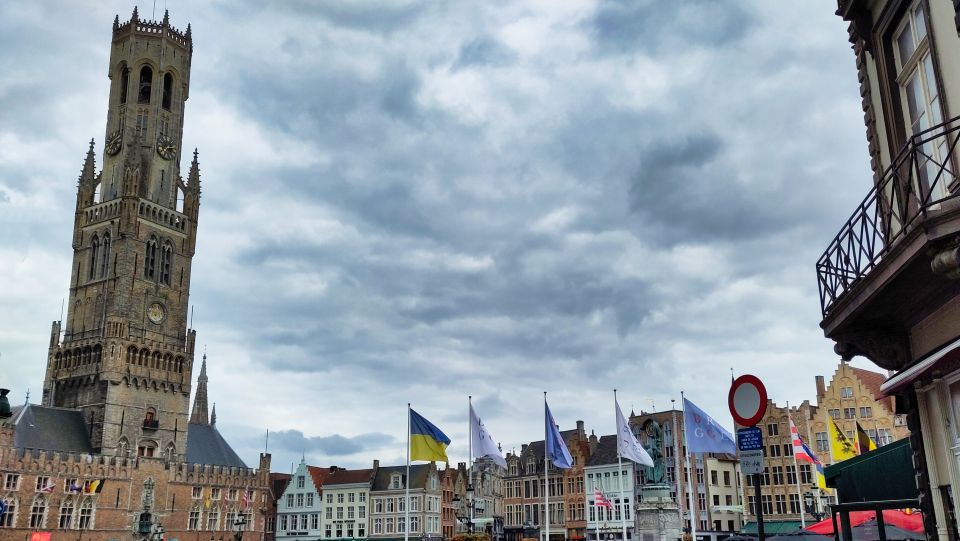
(427,442)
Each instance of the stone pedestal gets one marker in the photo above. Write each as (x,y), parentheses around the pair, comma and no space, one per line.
(658,516)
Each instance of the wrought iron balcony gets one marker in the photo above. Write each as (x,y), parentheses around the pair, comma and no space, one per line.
(920,183)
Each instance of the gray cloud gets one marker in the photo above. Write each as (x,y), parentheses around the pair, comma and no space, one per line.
(294,441)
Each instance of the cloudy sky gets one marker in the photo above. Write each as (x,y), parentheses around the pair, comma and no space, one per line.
(416,202)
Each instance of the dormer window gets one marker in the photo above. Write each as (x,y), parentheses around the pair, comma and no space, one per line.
(396,481)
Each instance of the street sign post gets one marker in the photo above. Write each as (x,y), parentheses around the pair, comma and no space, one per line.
(748,404)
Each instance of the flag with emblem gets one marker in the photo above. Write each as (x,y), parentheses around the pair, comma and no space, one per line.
(703,434)
(841,448)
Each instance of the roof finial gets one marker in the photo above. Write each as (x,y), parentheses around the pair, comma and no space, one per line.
(136,16)
(213,415)
(189,32)
(116,22)
(166,17)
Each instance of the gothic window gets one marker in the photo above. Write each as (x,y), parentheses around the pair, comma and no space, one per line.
(94,255)
(146,85)
(213,516)
(105,259)
(38,512)
(66,514)
(6,520)
(85,520)
(124,84)
(193,522)
(150,259)
(166,258)
(167,91)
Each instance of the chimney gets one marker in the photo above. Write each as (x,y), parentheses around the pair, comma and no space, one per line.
(594,442)
(581,433)
(821,390)
(376,463)
(333,469)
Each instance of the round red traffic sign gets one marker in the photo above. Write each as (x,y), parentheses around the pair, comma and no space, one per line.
(747,400)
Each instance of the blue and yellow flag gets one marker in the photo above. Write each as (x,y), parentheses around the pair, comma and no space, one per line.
(427,442)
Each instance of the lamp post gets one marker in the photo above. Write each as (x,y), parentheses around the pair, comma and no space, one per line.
(238,526)
(812,504)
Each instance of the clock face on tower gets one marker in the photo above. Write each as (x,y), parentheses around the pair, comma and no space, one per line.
(113,143)
(166,148)
(156,313)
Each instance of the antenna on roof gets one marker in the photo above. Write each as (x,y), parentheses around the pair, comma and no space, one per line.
(266,442)
(27,400)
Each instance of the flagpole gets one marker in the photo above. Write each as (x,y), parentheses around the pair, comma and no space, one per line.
(676,450)
(690,474)
(406,484)
(546,473)
(470,464)
(796,467)
(623,506)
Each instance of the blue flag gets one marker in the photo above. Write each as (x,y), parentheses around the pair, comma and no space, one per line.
(556,448)
(703,434)
(3,508)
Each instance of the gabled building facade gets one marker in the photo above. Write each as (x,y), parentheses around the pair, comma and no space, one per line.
(388,517)
(346,502)
(300,506)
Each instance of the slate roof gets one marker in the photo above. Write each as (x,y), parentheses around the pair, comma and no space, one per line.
(606,452)
(50,429)
(348,477)
(418,476)
(205,445)
(535,448)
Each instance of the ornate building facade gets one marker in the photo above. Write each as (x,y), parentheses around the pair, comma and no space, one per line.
(113,452)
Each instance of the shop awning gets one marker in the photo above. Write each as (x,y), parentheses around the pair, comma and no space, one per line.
(946,353)
(771,527)
(883,474)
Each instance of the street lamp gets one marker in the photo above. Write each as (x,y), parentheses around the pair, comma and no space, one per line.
(158,532)
(239,525)
(810,502)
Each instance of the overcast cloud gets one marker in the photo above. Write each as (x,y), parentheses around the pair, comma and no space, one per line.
(416,202)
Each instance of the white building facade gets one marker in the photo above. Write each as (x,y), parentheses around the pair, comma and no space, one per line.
(300,507)
(602,472)
(346,497)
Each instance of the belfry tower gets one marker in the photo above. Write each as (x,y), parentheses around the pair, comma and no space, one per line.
(126,353)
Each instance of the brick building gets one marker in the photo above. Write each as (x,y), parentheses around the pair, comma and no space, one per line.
(114,452)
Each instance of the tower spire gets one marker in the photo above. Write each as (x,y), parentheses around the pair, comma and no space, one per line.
(199,414)
(213,414)
(88,173)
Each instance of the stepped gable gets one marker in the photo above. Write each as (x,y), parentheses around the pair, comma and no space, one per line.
(50,429)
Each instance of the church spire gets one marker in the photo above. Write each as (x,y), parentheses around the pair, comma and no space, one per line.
(199,414)
(213,415)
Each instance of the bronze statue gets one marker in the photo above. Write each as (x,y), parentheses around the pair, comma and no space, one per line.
(655,475)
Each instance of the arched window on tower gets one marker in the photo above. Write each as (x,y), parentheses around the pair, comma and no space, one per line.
(94,255)
(166,260)
(124,84)
(105,260)
(146,85)
(167,91)
(150,259)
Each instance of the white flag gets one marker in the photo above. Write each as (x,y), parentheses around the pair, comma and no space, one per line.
(627,445)
(483,444)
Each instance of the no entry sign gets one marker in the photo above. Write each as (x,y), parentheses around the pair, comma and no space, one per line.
(747,400)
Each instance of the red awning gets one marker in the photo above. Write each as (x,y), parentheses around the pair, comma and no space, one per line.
(949,352)
(908,521)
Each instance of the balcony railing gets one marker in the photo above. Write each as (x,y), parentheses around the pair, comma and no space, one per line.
(921,178)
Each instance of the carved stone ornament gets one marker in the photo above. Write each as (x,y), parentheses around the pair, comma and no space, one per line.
(887,347)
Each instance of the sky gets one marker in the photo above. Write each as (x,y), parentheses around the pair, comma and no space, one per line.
(420,201)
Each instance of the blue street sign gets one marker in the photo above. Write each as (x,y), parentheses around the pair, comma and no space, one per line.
(750,439)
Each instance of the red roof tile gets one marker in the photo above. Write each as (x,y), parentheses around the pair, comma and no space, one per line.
(318,475)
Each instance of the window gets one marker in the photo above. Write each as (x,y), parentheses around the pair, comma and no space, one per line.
(363,497)
(70,484)
(327,531)
(351,497)
(389,525)
(791,475)
(401,524)
(767,503)
(377,505)
(846,392)
(920,97)
(781,504)
(714,478)
(834,413)
(340,498)
(43,484)
(167,91)
(774,451)
(66,513)
(401,505)
(884,436)
(795,504)
(849,413)
(389,505)
(196,493)
(773,429)
(716,499)
(787,449)
(350,512)
(289,500)
(94,257)
(283,522)
(193,521)
(377,525)
(777,475)
(124,84)
(105,259)
(315,521)
(823,441)
(150,259)
(806,476)
(866,412)
(166,257)
(728,500)
(146,85)
(232,495)
(213,516)
(329,513)
(299,500)
(361,512)
(339,513)
(414,524)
